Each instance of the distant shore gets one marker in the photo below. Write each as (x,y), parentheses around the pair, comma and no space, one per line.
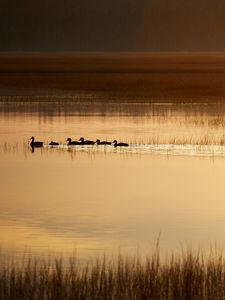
(162,77)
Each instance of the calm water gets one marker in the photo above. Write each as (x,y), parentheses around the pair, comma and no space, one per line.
(101,199)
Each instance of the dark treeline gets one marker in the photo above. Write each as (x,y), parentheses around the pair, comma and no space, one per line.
(68,25)
(106,25)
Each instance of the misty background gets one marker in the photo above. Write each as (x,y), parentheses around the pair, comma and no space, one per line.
(110,25)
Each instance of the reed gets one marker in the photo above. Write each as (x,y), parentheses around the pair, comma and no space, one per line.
(186,276)
(196,140)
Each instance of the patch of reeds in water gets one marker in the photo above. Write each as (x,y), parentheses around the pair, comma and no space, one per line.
(196,140)
(188,276)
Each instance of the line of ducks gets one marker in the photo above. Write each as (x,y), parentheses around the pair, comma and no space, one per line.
(80,142)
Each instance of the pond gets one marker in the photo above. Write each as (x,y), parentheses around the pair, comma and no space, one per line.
(105,199)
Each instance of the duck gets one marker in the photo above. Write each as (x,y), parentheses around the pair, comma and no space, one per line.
(53,143)
(119,144)
(72,143)
(35,143)
(86,142)
(102,142)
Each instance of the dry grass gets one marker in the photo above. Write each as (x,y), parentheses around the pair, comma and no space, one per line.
(198,140)
(188,276)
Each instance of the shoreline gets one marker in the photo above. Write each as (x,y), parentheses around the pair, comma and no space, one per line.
(160,77)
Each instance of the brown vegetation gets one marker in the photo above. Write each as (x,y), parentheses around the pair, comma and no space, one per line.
(188,276)
(137,77)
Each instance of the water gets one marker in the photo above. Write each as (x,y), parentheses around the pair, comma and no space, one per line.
(95,199)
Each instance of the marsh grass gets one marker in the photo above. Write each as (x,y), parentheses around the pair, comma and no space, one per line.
(194,140)
(186,276)
(201,142)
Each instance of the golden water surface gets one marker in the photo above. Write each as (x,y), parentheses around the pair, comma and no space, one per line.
(99,199)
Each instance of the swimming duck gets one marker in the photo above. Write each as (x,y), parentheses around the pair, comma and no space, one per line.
(53,143)
(86,142)
(103,142)
(72,143)
(35,143)
(119,144)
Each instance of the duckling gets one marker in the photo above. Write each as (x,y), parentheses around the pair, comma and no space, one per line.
(35,143)
(53,143)
(119,144)
(102,142)
(72,143)
(86,142)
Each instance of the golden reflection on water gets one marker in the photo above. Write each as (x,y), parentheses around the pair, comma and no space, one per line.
(96,201)
(110,202)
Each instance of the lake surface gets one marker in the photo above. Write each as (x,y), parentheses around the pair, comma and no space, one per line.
(96,199)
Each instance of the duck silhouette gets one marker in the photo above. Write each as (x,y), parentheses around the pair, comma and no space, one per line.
(35,144)
(53,143)
(86,142)
(72,143)
(98,142)
(119,144)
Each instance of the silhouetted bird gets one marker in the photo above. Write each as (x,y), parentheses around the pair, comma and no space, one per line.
(72,143)
(86,142)
(103,142)
(35,143)
(53,143)
(120,144)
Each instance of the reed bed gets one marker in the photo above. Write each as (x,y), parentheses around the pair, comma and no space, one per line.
(202,140)
(188,276)
(194,142)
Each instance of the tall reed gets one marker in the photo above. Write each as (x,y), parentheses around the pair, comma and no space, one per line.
(187,276)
